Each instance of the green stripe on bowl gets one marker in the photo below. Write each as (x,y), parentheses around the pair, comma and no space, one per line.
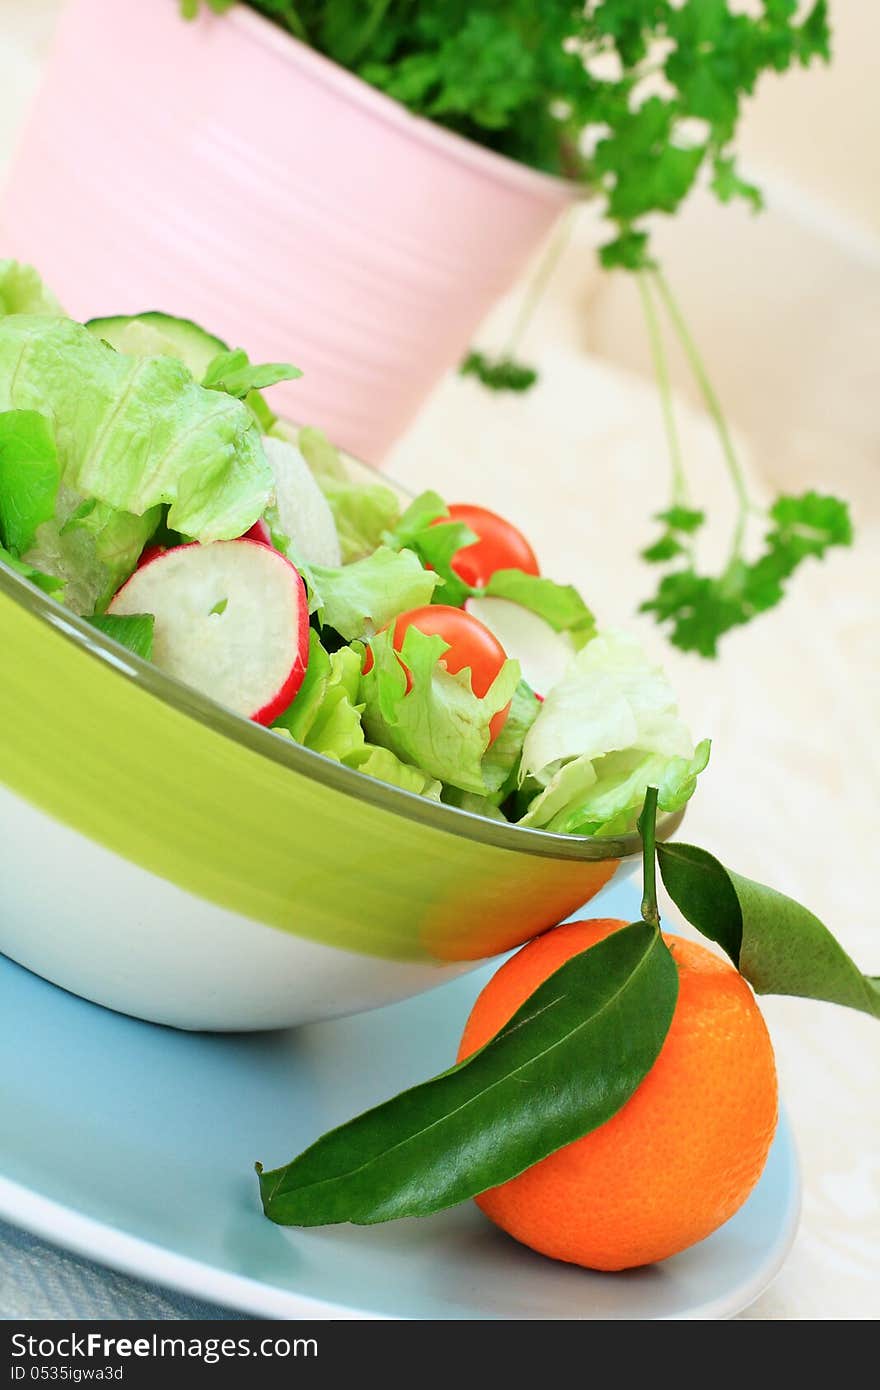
(177,795)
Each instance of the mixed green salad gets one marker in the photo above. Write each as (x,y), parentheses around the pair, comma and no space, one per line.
(146,484)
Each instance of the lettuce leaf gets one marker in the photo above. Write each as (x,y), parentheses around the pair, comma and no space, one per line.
(359,599)
(91,548)
(363,512)
(131,630)
(300,715)
(325,715)
(29,477)
(136,432)
(233,372)
(321,456)
(478,805)
(605,796)
(49,583)
(501,761)
(440,725)
(608,730)
(382,764)
(611,698)
(23,292)
(560,605)
(435,541)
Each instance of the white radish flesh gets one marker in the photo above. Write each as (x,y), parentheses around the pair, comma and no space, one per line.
(231,619)
(543,653)
(303,511)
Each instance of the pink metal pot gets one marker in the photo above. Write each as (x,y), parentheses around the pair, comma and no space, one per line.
(223,171)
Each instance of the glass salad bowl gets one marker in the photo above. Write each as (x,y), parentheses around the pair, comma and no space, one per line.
(164,857)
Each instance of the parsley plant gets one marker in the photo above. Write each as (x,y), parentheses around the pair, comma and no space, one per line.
(635,100)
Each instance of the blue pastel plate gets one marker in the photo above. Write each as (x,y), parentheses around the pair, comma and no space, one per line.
(135,1145)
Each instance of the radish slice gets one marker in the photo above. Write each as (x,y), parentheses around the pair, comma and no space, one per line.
(150,553)
(231,619)
(543,653)
(303,511)
(258,532)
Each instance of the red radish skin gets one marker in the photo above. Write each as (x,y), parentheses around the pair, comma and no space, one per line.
(269,590)
(152,552)
(260,533)
(288,692)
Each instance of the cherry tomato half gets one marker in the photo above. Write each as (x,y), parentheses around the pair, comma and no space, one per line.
(470,644)
(500,546)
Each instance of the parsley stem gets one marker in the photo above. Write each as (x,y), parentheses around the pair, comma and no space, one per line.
(647,829)
(661,372)
(713,405)
(539,282)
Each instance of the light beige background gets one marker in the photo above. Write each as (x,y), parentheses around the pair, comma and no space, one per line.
(787,308)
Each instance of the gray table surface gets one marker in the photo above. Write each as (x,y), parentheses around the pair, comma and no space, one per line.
(42,1281)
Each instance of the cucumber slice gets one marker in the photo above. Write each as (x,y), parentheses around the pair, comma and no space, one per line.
(154,334)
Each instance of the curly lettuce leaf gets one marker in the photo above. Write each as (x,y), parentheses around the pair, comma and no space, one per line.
(426,528)
(439,724)
(137,432)
(359,599)
(605,732)
(22,291)
(325,715)
(29,477)
(603,796)
(501,760)
(382,764)
(611,698)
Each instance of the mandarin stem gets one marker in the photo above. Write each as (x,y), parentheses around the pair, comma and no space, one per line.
(647,829)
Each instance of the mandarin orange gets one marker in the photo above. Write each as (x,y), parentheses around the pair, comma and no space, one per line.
(683,1153)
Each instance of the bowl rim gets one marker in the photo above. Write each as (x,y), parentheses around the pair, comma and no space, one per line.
(285,752)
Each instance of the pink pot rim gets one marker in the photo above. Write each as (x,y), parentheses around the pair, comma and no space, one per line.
(354,89)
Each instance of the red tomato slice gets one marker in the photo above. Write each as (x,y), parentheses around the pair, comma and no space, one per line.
(500,546)
(470,644)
